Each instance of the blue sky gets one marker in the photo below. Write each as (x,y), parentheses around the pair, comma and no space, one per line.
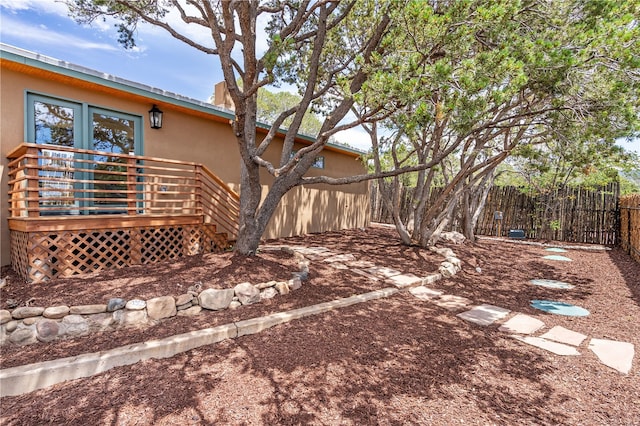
(159,60)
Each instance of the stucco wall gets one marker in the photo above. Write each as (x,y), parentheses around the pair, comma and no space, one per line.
(192,137)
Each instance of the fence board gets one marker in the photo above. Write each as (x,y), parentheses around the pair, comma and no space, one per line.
(583,216)
(630,225)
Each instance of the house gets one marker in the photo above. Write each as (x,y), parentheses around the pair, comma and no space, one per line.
(89,182)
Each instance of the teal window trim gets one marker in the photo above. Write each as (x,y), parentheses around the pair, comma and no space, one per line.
(82,129)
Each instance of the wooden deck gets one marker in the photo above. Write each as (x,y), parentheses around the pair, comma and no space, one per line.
(77,211)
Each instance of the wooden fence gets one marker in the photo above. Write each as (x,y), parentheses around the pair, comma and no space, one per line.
(573,214)
(630,225)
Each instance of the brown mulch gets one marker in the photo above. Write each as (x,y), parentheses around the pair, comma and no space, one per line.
(392,361)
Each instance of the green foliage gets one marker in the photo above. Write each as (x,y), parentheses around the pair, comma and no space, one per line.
(271,104)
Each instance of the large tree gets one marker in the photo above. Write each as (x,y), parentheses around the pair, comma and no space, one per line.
(324,47)
(463,83)
(487,79)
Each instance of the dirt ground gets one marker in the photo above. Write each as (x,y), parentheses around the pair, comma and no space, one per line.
(393,361)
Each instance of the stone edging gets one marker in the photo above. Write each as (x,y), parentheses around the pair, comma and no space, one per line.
(31,324)
(27,378)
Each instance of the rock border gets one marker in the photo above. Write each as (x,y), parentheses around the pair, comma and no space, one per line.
(31,324)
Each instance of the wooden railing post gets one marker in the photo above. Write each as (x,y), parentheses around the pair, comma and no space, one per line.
(132,175)
(198,201)
(33,185)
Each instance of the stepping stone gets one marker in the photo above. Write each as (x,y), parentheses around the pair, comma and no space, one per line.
(383,271)
(484,314)
(559,308)
(614,354)
(339,258)
(522,324)
(405,280)
(360,264)
(365,274)
(338,265)
(564,335)
(554,347)
(452,303)
(310,250)
(556,250)
(556,257)
(425,293)
(552,284)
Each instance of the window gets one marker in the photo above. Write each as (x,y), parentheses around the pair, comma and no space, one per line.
(317,164)
(59,122)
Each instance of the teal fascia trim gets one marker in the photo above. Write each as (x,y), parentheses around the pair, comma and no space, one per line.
(46,63)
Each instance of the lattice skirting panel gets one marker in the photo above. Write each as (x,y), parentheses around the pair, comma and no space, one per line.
(41,256)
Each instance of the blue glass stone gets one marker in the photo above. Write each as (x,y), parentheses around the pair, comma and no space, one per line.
(559,308)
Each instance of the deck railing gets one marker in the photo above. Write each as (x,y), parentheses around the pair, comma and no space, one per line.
(52,180)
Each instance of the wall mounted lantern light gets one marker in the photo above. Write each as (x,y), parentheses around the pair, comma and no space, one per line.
(155,117)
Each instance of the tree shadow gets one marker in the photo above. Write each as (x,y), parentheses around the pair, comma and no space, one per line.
(629,269)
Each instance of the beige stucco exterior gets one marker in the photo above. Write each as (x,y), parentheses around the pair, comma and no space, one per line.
(194,133)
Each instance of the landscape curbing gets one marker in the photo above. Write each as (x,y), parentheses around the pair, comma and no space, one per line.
(27,378)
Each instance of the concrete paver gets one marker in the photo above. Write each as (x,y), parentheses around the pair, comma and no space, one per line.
(484,314)
(405,280)
(425,293)
(383,271)
(340,258)
(564,335)
(614,354)
(452,303)
(548,345)
(522,324)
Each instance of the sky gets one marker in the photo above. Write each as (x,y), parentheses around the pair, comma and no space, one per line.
(158,60)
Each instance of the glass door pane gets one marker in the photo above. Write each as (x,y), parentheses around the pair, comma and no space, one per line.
(55,123)
(117,134)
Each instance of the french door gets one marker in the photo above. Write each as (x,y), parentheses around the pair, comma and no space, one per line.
(85,188)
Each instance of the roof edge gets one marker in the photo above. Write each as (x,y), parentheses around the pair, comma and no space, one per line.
(37,60)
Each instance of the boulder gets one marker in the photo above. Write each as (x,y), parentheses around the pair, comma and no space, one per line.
(56,312)
(115,304)
(192,311)
(11,326)
(101,322)
(132,318)
(262,286)
(183,299)
(5,316)
(295,283)
(27,312)
(135,305)
(87,309)
(47,330)
(215,299)
(74,325)
(247,293)
(161,307)
(282,287)
(452,237)
(268,293)
(23,336)
(447,269)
